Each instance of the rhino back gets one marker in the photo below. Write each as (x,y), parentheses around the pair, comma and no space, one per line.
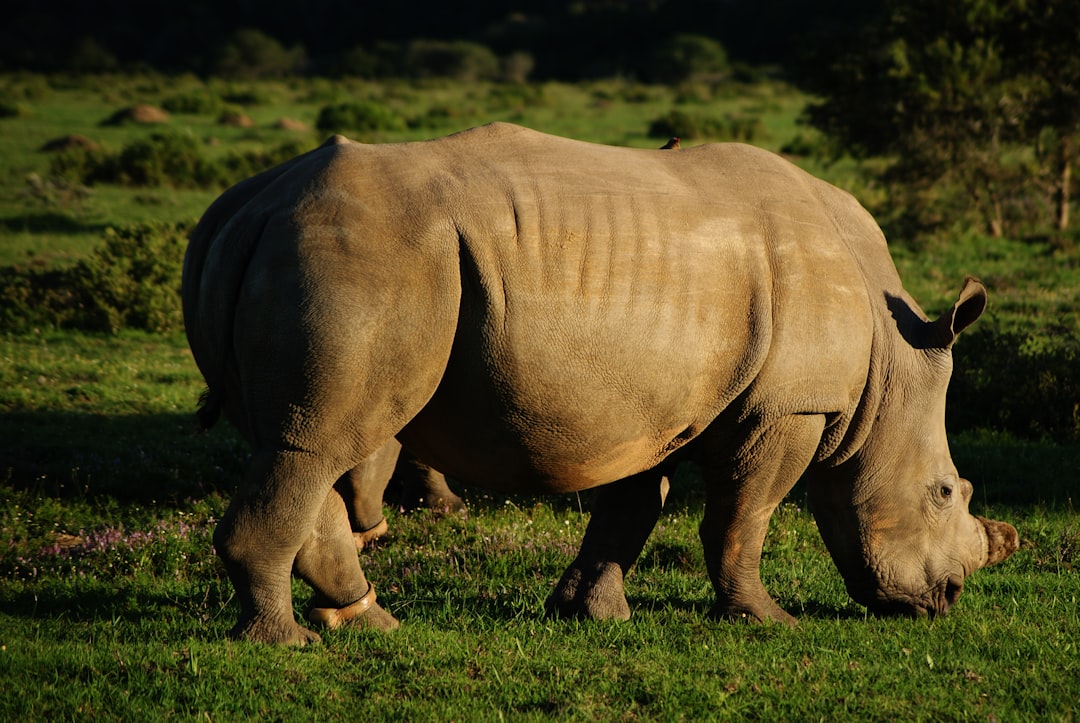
(609,303)
(615,301)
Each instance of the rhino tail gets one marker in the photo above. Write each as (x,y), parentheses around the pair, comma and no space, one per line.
(209,409)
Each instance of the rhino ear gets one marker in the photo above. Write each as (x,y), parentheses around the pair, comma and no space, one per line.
(969,306)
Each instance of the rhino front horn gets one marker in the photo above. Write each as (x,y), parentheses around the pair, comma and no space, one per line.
(1002,540)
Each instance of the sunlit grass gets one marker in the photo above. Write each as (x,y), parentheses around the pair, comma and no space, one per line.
(114,606)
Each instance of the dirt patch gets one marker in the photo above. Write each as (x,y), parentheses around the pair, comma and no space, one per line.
(142,113)
(236,120)
(291,124)
(72,140)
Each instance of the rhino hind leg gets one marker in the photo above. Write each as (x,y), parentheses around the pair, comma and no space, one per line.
(623,515)
(328,562)
(737,511)
(258,538)
(288,518)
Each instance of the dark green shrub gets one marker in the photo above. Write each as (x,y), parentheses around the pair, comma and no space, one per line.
(516,97)
(438,116)
(169,160)
(359,116)
(35,298)
(79,164)
(1014,382)
(460,60)
(9,109)
(246,97)
(251,53)
(238,166)
(731,127)
(803,144)
(686,57)
(132,281)
(162,159)
(198,101)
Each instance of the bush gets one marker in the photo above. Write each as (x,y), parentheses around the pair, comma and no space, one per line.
(359,116)
(686,57)
(132,281)
(169,160)
(162,159)
(731,127)
(1014,382)
(238,166)
(251,53)
(12,110)
(460,60)
(195,102)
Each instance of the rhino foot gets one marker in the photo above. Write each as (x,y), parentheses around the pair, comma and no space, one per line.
(449,503)
(371,534)
(760,612)
(596,594)
(365,613)
(274,632)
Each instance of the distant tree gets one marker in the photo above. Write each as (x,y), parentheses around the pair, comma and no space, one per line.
(959,95)
(1051,52)
(685,57)
(251,53)
(459,59)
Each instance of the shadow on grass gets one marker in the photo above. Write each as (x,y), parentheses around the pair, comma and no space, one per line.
(50,222)
(159,457)
(142,458)
(130,604)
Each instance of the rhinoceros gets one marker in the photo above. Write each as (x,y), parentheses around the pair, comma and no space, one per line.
(419,485)
(536,314)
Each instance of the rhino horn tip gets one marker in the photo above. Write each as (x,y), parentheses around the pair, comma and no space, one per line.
(1002,540)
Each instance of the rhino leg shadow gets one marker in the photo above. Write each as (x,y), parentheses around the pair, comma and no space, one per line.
(623,516)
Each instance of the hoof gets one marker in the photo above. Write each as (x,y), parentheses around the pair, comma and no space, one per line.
(372,533)
(278,633)
(596,596)
(764,614)
(364,613)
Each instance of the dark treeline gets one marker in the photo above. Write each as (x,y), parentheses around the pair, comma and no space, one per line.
(561,39)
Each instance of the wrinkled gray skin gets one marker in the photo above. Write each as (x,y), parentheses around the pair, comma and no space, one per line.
(540,315)
(365,488)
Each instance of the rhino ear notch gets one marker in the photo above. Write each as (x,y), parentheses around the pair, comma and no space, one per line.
(969,306)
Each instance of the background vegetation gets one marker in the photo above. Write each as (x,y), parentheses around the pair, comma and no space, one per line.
(958,134)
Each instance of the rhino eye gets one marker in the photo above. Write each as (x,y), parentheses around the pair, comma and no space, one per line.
(946,491)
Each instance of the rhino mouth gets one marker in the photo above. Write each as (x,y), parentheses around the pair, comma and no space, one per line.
(933,602)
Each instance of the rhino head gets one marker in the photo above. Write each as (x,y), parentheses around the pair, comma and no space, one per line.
(894,511)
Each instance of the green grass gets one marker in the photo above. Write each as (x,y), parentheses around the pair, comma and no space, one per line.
(59,231)
(113,605)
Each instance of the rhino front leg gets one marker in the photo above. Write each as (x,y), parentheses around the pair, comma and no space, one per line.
(420,486)
(623,515)
(740,501)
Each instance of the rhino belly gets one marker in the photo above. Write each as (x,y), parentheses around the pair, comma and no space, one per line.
(568,398)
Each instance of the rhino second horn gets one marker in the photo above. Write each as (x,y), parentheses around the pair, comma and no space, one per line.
(1002,540)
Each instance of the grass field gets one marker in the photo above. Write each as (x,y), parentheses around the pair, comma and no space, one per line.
(113,605)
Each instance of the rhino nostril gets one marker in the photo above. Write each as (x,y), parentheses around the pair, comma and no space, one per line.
(953,588)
